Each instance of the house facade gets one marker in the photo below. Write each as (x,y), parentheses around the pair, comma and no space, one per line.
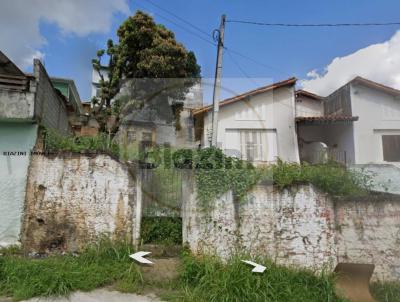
(258,125)
(27,101)
(360,124)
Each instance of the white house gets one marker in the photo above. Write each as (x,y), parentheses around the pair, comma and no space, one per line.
(360,124)
(258,125)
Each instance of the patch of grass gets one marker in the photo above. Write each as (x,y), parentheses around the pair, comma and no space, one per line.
(99,265)
(386,291)
(208,279)
(161,230)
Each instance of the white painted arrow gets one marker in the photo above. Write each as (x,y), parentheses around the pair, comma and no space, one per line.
(139,257)
(258,268)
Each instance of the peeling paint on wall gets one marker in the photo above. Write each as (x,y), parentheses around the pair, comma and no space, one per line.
(72,200)
(301,226)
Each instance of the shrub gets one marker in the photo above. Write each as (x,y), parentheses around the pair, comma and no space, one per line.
(54,141)
(331,177)
(162,230)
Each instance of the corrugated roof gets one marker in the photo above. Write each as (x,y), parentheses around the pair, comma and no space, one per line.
(242,96)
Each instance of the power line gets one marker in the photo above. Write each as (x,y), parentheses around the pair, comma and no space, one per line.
(206,34)
(179,18)
(256,61)
(182,27)
(241,69)
(313,24)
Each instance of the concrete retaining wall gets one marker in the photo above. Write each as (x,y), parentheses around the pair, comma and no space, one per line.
(300,227)
(73,199)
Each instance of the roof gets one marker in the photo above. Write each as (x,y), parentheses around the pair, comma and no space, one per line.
(308,94)
(326,119)
(371,84)
(8,67)
(11,77)
(240,97)
(376,85)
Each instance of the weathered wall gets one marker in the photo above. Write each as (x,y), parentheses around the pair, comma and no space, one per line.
(301,227)
(50,109)
(286,226)
(73,199)
(16,104)
(368,231)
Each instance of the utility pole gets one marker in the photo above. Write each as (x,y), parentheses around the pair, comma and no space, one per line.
(217,82)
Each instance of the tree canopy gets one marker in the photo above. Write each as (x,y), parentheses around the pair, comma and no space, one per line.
(148,55)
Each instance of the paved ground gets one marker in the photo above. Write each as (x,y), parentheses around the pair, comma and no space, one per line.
(99,295)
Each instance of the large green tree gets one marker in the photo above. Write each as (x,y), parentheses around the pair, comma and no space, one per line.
(149,56)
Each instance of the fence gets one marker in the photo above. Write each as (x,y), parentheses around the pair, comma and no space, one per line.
(161,192)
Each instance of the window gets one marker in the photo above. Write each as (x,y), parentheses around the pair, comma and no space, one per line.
(391,147)
(147,136)
(131,134)
(251,144)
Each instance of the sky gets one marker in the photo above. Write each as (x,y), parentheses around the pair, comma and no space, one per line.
(66,34)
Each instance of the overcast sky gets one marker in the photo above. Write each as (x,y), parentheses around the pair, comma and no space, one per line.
(65,34)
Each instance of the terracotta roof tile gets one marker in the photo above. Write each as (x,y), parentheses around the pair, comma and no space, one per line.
(329,118)
(242,96)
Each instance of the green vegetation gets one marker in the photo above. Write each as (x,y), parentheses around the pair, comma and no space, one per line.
(101,143)
(161,230)
(386,292)
(200,278)
(208,279)
(217,173)
(148,55)
(99,265)
(331,177)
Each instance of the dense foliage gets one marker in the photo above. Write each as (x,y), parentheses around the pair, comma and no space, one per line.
(54,142)
(147,56)
(161,230)
(217,173)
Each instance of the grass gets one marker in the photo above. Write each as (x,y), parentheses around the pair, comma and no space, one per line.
(99,265)
(200,278)
(208,279)
(386,292)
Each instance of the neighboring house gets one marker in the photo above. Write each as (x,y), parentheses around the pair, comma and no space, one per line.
(68,89)
(360,124)
(96,79)
(163,131)
(308,104)
(26,102)
(360,128)
(258,125)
